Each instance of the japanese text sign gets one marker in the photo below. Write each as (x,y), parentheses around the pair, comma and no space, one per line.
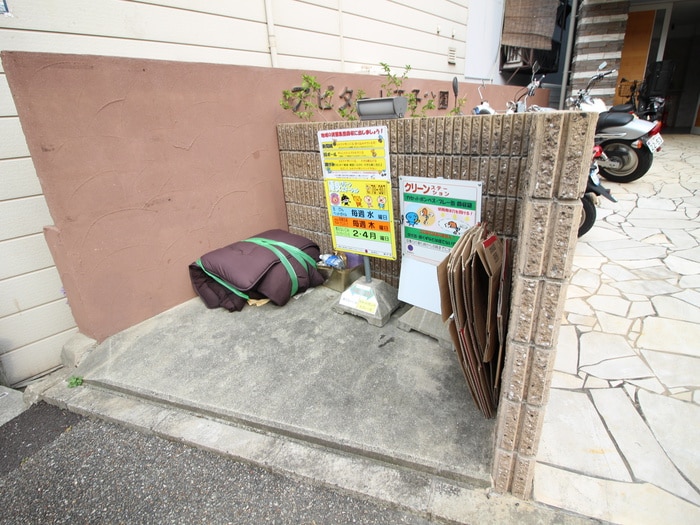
(355,153)
(435,213)
(357,183)
(361,216)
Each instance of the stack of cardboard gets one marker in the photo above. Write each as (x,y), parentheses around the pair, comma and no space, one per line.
(474,286)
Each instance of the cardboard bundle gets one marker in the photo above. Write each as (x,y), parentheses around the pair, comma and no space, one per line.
(474,292)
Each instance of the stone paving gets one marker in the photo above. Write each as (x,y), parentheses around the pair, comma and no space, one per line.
(621,436)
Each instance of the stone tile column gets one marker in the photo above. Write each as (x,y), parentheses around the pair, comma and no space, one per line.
(557,168)
(600,35)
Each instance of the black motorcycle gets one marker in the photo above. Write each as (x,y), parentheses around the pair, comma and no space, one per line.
(641,104)
(594,189)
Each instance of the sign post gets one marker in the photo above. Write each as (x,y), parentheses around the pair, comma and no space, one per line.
(357,184)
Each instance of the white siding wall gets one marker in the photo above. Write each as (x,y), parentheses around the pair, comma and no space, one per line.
(351,35)
(334,35)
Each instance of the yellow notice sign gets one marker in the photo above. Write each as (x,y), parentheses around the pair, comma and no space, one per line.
(361,216)
(355,152)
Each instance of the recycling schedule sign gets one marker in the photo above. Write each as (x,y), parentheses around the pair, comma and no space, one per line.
(435,213)
(357,183)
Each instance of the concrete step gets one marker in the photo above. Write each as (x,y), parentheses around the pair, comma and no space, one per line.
(409,487)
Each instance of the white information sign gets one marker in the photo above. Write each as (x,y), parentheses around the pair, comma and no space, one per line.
(355,153)
(434,215)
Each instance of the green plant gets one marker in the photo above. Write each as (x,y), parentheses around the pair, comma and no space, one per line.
(413,102)
(75,381)
(393,83)
(348,110)
(307,99)
(459,104)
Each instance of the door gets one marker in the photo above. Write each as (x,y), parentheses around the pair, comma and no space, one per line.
(635,52)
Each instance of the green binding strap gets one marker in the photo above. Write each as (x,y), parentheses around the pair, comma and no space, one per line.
(302,257)
(221,281)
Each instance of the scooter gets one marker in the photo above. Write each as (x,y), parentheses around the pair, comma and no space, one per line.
(594,189)
(483,108)
(519,105)
(628,142)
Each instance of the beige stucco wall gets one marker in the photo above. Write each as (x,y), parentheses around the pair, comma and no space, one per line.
(146,165)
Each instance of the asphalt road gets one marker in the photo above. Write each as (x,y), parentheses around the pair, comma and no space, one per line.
(57,467)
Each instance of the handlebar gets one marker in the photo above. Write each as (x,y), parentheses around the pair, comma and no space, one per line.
(582,93)
(601,75)
(598,76)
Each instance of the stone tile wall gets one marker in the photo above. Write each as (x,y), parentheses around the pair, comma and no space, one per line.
(533,167)
(600,35)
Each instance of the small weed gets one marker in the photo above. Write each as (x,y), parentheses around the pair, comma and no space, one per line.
(307,99)
(75,381)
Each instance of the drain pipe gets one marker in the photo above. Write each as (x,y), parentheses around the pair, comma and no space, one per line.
(569,47)
(341,35)
(271,38)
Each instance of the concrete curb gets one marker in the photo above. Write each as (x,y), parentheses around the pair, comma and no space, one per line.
(11,404)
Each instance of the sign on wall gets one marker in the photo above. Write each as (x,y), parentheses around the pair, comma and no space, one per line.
(361,216)
(357,184)
(435,213)
(360,153)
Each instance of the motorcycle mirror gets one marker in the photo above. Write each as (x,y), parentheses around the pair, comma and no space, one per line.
(602,65)
(455,86)
(535,67)
(481,95)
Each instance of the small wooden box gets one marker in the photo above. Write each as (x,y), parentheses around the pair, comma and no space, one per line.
(339,280)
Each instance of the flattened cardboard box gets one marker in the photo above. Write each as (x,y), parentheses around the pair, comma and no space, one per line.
(474,296)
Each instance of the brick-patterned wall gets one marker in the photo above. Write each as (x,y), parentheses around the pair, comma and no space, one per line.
(533,167)
(492,150)
(600,34)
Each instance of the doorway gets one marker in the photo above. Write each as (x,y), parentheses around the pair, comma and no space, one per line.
(660,43)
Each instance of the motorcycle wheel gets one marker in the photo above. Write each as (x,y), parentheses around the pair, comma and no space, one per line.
(588,215)
(634,163)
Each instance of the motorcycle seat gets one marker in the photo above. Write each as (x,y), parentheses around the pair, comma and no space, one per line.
(608,119)
(623,108)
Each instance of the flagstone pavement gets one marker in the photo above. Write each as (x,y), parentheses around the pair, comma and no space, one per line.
(621,436)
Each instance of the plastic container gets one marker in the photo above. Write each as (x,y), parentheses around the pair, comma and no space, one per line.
(334,261)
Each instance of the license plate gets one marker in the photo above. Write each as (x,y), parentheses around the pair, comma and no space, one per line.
(655,142)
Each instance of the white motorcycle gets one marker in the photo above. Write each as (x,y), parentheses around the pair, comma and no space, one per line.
(628,142)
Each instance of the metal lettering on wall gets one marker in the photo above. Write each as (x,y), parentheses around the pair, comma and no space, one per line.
(347,96)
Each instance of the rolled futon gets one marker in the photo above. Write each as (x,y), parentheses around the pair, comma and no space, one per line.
(274,264)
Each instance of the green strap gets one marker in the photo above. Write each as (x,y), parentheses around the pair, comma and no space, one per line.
(221,281)
(302,257)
